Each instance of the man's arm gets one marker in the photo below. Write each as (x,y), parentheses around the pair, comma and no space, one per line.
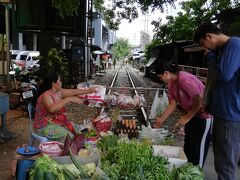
(229,63)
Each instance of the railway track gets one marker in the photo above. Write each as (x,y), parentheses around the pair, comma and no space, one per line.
(125,82)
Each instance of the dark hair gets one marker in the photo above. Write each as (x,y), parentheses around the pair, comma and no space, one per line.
(166,66)
(46,84)
(203,29)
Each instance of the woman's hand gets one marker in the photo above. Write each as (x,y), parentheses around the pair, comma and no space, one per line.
(158,123)
(75,99)
(179,129)
(92,90)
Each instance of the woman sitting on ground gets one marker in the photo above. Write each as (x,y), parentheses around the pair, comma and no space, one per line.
(50,117)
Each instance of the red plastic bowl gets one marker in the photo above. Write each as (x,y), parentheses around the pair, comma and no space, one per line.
(103,126)
(51,148)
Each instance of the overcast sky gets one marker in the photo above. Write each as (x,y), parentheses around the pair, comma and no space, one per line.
(131,31)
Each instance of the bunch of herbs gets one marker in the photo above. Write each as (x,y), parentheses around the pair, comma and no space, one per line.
(132,160)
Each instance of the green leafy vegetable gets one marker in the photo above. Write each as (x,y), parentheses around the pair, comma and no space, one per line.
(91,133)
(45,164)
(131,160)
(188,172)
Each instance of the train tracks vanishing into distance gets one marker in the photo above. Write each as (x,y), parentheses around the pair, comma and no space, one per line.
(125,82)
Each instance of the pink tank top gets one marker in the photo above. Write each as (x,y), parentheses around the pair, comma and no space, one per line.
(42,115)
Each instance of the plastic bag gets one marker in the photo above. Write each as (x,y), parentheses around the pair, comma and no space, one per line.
(151,134)
(95,99)
(83,86)
(143,101)
(111,100)
(88,124)
(125,102)
(139,101)
(99,174)
(164,103)
(98,96)
(155,106)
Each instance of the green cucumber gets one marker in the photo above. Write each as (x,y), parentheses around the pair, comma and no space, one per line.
(49,176)
(83,174)
(39,174)
(68,174)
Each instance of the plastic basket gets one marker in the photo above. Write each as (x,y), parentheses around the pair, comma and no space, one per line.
(49,152)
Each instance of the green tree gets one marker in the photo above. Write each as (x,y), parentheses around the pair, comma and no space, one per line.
(55,61)
(127,9)
(194,13)
(66,8)
(113,14)
(149,47)
(182,26)
(121,48)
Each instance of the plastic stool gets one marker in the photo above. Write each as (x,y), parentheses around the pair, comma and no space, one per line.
(22,168)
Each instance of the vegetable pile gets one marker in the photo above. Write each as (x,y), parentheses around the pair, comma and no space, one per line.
(131,160)
(120,159)
(91,133)
(124,159)
(46,168)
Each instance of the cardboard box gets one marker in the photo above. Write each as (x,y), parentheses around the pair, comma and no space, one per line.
(174,154)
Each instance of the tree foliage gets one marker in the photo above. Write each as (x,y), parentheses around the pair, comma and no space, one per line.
(127,9)
(121,48)
(193,13)
(181,27)
(118,10)
(55,61)
(149,47)
(66,8)
(146,5)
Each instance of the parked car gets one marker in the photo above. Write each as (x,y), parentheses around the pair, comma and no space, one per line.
(25,59)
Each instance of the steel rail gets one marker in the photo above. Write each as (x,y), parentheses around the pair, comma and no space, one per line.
(136,88)
(111,86)
(113,81)
(133,85)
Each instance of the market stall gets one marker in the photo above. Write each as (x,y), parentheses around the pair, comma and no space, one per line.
(115,146)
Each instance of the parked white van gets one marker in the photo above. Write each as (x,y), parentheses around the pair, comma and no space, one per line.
(25,59)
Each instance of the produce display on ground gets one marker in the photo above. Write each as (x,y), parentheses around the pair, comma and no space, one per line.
(112,158)
(123,159)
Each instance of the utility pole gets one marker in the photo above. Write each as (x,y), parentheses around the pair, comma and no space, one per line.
(89,34)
